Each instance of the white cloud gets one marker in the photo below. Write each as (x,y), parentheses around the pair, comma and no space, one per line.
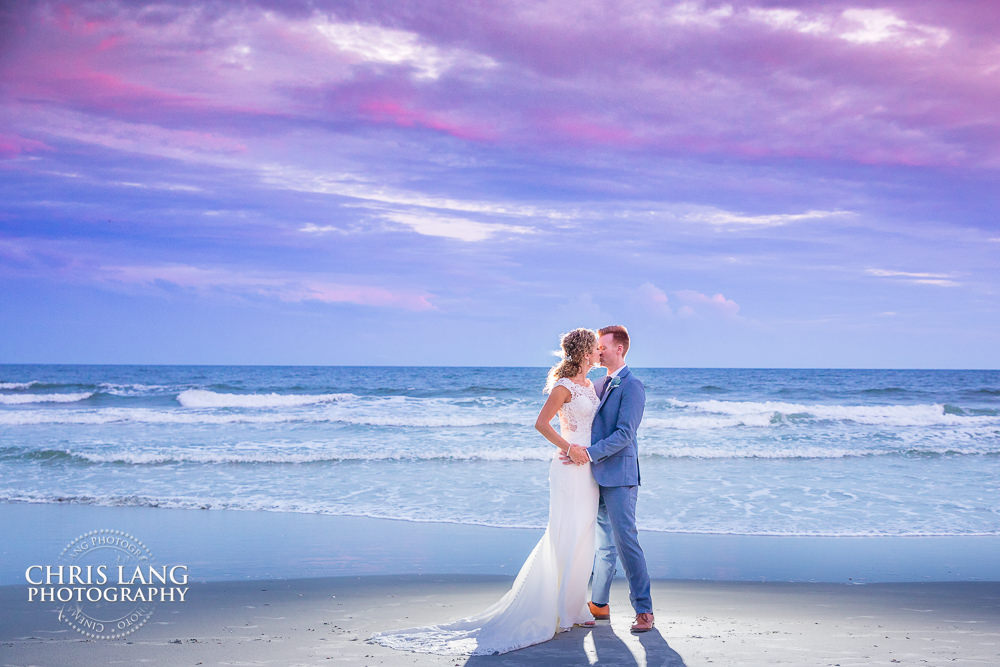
(697,14)
(357,187)
(310,228)
(790,19)
(453,228)
(375,44)
(871,26)
(937,279)
(723,218)
(220,151)
(172,187)
(937,282)
(133,137)
(858,26)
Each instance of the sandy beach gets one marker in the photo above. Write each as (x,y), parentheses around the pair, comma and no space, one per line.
(326,621)
(257,595)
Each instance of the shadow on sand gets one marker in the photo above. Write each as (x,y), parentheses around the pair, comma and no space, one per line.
(591,646)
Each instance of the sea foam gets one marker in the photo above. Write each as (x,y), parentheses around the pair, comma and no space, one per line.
(18,385)
(752,412)
(201,398)
(21,399)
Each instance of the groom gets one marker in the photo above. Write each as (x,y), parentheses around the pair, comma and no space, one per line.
(614,458)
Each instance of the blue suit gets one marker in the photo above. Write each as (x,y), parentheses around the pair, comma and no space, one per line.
(614,453)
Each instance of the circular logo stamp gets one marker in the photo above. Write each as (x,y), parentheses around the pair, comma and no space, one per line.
(105,616)
(106,584)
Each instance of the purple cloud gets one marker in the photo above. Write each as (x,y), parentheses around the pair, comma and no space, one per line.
(460,160)
(900,84)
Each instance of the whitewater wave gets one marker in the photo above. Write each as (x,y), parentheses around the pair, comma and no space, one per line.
(152,416)
(132,388)
(138,415)
(752,413)
(814,452)
(21,399)
(271,455)
(18,385)
(305,453)
(202,398)
(702,422)
(425,421)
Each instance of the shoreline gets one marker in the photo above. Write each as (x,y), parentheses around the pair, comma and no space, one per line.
(319,620)
(233,545)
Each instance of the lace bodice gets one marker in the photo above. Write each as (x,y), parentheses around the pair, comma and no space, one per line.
(577,415)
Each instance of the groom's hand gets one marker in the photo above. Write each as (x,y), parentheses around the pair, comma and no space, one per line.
(578,454)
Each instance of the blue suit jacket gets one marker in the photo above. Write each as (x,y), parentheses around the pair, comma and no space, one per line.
(613,449)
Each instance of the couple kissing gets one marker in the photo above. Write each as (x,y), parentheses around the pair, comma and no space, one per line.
(593,486)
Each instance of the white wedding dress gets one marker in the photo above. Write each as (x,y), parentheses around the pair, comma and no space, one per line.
(549,594)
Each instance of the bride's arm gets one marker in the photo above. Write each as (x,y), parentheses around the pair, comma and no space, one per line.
(543,424)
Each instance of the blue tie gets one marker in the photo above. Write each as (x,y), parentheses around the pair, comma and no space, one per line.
(604,388)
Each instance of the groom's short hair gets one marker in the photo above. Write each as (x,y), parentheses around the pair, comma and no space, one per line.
(619,335)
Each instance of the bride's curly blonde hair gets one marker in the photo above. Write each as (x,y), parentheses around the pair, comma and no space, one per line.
(576,345)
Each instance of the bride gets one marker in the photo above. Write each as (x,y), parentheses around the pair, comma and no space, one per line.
(549,594)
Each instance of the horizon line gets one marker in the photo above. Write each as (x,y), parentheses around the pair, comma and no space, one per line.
(277,365)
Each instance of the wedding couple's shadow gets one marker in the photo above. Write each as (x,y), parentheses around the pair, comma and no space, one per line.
(581,646)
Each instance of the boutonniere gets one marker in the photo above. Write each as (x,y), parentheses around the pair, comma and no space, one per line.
(615,381)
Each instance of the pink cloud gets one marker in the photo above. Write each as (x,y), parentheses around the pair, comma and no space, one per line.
(70,261)
(66,17)
(110,42)
(76,85)
(696,301)
(690,303)
(286,287)
(392,112)
(584,130)
(12,145)
(652,298)
(908,83)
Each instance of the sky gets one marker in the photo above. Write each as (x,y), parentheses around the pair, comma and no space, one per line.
(742,184)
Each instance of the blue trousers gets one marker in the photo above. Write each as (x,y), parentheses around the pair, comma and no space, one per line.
(617,537)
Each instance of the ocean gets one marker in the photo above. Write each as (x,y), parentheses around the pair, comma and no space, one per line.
(722,451)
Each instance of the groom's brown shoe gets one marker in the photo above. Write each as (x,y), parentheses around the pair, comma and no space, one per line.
(600,613)
(643,623)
